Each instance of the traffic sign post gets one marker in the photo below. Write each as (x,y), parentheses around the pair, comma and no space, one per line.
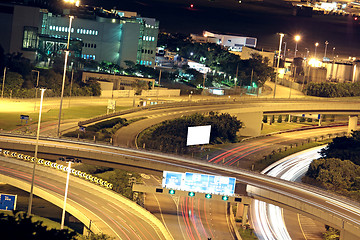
(24,117)
(8,202)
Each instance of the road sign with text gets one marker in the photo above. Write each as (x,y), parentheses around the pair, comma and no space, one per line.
(8,202)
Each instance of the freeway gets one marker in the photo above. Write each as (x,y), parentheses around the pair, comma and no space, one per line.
(246,153)
(313,197)
(269,221)
(99,209)
(126,136)
(189,218)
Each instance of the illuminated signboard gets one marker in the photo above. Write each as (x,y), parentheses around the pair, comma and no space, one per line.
(196,182)
(172,180)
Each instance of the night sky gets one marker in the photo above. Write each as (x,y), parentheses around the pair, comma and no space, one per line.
(256,19)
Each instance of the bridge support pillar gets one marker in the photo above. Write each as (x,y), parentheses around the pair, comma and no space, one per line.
(252,122)
(245,214)
(239,209)
(353,119)
(345,235)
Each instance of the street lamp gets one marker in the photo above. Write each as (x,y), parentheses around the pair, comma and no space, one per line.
(278,62)
(297,38)
(316,45)
(36,152)
(326,43)
(69,161)
(64,74)
(36,87)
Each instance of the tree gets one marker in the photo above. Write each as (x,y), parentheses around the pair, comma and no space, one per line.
(17,63)
(21,226)
(138,86)
(13,81)
(345,148)
(171,135)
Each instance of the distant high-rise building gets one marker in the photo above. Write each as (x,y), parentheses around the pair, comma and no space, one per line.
(96,34)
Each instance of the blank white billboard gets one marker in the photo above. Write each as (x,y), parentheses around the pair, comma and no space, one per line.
(198,135)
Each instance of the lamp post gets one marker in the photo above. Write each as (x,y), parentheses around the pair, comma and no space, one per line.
(316,45)
(64,74)
(307,53)
(36,87)
(69,161)
(36,152)
(3,84)
(278,62)
(297,38)
(285,51)
(326,44)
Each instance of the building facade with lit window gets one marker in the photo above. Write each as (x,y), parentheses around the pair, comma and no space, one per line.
(232,42)
(96,34)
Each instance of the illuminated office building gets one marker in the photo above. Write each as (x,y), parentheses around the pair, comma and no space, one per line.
(96,34)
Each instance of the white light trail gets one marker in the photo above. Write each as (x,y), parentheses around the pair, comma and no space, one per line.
(268,219)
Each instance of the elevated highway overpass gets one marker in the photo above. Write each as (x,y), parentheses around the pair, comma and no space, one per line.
(327,208)
(249,111)
(99,209)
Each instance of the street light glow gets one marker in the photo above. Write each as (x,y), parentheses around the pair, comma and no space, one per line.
(297,38)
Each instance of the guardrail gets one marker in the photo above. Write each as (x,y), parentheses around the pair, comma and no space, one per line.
(46,163)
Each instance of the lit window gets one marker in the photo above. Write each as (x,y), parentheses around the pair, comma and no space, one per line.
(113,20)
(87,56)
(150,63)
(153,38)
(147,62)
(141,62)
(144,38)
(57,28)
(66,29)
(72,30)
(30,38)
(90,32)
(63,29)
(87,31)
(96,33)
(50,27)
(81,31)
(94,57)
(82,55)
(78,30)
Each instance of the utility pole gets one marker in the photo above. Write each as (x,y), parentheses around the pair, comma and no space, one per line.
(278,62)
(159,77)
(3,85)
(37,85)
(71,83)
(236,76)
